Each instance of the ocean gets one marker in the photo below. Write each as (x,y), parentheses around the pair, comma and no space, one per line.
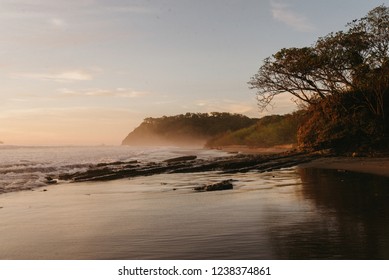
(26,167)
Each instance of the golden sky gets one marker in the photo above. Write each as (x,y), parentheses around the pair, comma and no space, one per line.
(87,72)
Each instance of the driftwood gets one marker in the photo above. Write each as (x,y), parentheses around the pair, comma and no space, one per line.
(189,164)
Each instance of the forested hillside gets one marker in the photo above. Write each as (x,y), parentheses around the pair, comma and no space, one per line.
(186,129)
(266,132)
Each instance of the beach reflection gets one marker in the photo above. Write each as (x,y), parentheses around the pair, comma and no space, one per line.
(349,220)
(284,214)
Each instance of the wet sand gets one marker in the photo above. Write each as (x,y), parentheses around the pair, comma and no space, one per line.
(371,165)
(242,149)
(377,166)
(142,218)
(271,215)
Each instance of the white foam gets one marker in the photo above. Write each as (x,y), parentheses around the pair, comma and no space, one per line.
(27,167)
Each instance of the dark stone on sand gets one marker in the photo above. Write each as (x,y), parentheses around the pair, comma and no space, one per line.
(183,158)
(221,186)
(130,163)
(50,180)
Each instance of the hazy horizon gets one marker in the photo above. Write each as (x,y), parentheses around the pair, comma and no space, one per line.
(87,72)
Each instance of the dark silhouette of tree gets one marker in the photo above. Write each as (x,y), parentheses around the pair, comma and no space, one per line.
(343,79)
(372,77)
(355,60)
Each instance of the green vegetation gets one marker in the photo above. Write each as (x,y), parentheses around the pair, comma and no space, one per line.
(267,132)
(188,129)
(342,80)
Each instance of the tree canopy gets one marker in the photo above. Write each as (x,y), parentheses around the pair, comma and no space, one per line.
(356,59)
(343,81)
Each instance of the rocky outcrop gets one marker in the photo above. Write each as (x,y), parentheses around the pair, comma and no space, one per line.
(178,159)
(188,164)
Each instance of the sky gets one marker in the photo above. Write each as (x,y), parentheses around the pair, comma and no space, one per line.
(87,72)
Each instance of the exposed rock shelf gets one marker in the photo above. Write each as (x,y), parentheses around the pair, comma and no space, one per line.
(189,164)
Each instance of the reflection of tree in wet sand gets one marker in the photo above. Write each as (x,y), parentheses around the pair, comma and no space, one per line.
(349,218)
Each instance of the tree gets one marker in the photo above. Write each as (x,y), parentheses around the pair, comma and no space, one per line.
(373,77)
(355,60)
(289,70)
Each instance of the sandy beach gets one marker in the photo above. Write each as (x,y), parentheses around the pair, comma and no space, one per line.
(371,165)
(255,150)
(377,165)
(142,218)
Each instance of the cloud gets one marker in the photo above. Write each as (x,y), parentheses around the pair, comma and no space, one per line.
(283,13)
(66,76)
(43,8)
(54,25)
(58,23)
(118,92)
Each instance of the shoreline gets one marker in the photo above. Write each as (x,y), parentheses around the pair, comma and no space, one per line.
(372,165)
(141,218)
(241,159)
(164,217)
(375,165)
(242,149)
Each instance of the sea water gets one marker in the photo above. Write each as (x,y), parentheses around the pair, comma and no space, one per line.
(25,168)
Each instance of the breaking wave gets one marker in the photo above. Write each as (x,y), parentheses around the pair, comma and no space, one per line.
(26,168)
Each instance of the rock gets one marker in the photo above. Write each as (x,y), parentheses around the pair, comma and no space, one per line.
(223,185)
(183,158)
(130,163)
(188,164)
(50,180)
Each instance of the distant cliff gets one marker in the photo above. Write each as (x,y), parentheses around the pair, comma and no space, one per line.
(190,129)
